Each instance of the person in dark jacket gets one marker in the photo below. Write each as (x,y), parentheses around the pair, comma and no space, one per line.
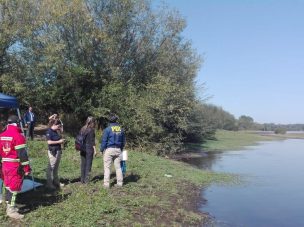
(54,142)
(30,120)
(88,131)
(112,144)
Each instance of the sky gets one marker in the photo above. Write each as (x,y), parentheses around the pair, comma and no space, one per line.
(253,55)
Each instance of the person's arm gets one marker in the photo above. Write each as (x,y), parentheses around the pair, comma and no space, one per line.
(104,140)
(93,142)
(50,142)
(123,140)
(52,116)
(20,147)
(26,120)
(50,138)
(94,148)
(34,118)
(61,128)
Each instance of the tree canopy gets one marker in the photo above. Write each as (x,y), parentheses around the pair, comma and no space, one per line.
(91,57)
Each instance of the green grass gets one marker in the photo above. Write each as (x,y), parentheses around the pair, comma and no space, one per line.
(234,140)
(148,198)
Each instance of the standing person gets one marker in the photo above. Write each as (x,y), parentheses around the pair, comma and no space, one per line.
(88,132)
(112,144)
(15,163)
(54,142)
(30,120)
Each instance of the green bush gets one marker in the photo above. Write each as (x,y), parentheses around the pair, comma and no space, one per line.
(280,131)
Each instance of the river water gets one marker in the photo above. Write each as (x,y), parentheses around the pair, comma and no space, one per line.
(272,193)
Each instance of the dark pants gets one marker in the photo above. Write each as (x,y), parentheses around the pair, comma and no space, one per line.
(30,130)
(10,197)
(86,165)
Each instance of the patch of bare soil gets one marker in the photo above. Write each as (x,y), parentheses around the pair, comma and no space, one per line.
(182,209)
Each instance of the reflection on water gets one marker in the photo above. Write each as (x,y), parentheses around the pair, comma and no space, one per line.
(273,194)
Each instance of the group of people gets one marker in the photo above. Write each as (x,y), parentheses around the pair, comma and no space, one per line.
(15,163)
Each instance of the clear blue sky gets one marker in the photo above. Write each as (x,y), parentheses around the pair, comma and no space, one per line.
(253,54)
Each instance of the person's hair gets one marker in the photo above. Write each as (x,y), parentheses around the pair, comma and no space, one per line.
(90,123)
(113,118)
(12,119)
(54,122)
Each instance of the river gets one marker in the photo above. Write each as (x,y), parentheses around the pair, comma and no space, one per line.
(272,193)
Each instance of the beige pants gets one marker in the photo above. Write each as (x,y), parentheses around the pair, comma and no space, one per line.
(112,154)
(52,169)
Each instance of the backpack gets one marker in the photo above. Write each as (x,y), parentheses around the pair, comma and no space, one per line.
(80,144)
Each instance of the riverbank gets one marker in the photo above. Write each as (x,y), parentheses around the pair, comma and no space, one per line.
(158,191)
(237,140)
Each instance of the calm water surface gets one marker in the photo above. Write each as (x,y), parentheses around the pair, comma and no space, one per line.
(273,192)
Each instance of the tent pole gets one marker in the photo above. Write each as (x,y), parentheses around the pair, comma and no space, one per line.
(21,123)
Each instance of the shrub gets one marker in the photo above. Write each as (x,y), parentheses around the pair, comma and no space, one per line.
(280,131)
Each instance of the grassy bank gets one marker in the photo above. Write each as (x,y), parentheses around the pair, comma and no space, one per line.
(234,140)
(230,140)
(150,196)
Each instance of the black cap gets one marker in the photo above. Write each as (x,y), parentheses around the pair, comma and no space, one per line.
(12,119)
(113,118)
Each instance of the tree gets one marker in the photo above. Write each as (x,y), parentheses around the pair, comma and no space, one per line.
(91,57)
(245,122)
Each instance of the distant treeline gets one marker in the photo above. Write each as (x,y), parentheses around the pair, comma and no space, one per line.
(287,127)
(247,123)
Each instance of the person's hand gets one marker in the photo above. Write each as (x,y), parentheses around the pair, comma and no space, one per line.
(61,141)
(26,174)
(95,153)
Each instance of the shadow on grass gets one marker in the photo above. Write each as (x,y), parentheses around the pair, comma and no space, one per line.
(129,178)
(40,197)
(97,178)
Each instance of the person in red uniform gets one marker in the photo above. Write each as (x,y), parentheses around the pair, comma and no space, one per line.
(15,163)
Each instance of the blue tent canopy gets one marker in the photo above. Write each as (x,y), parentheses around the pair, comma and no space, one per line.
(8,101)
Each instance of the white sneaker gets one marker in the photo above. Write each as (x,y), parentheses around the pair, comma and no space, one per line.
(12,212)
